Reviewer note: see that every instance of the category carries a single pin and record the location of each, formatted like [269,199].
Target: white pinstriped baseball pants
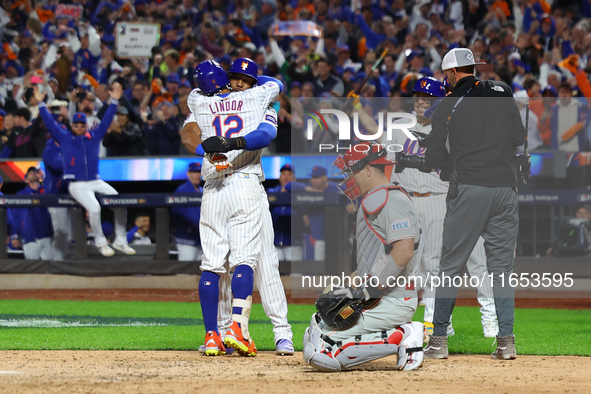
[189,252]
[39,249]
[230,224]
[61,219]
[267,280]
[85,193]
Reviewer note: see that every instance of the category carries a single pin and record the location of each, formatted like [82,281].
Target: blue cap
[318,171]
[194,167]
[185,83]
[244,66]
[393,40]
[108,38]
[210,77]
[359,77]
[226,59]
[344,47]
[2,113]
[426,71]
[286,167]
[63,34]
[414,54]
[26,33]
[295,84]
[167,28]
[140,2]
[79,117]
[430,86]
[550,89]
[350,70]
[519,63]
[174,77]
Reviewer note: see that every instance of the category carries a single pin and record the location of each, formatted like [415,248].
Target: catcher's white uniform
[385,328]
[428,193]
[247,237]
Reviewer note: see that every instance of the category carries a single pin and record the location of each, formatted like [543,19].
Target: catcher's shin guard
[368,347]
[331,356]
[312,338]
[410,353]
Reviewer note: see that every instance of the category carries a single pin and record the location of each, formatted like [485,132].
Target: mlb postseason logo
[387,123]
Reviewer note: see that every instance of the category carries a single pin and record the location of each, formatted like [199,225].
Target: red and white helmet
[356,158]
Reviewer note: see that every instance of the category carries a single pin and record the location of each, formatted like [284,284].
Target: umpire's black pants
[493,213]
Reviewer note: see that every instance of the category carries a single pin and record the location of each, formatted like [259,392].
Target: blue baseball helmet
[431,86]
[245,66]
[210,77]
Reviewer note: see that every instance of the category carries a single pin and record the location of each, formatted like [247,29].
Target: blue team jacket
[31,223]
[281,215]
[80,153]
[186,219]
[54,168]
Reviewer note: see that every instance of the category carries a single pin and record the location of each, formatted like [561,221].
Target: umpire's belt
[415,194]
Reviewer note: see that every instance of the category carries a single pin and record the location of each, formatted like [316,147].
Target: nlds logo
[176,200]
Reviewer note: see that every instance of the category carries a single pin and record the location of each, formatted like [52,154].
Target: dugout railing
[337,232]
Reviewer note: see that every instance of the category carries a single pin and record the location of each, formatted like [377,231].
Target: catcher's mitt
[341,308]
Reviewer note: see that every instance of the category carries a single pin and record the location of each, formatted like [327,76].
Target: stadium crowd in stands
[539,47]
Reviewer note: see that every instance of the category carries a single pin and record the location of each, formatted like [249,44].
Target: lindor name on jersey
[226,105]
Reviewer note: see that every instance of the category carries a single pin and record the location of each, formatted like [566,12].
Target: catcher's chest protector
[370,239]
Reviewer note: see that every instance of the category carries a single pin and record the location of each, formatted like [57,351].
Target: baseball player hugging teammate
[234,127]
[357,325]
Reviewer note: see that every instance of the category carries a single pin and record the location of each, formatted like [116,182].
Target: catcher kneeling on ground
[357,325]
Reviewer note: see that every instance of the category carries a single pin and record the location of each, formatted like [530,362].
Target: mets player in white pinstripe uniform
[266,276]
[429,193]
[230,226]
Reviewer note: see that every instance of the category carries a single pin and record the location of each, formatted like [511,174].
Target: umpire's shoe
[436,348]
[505,348]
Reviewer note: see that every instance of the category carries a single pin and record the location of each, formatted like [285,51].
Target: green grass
[126,325]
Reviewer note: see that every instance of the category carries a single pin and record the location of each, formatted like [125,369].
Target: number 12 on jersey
[228,127]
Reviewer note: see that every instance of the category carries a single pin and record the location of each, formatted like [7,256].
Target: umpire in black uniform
[481,122]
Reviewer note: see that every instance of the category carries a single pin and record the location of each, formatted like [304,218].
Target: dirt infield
[190,372]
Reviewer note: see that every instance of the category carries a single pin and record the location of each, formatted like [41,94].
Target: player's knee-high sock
[209,292]
[242,287]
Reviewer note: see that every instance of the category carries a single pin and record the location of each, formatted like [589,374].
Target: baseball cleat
[202,350]
[106,250]
[490,329]
[124,249]
[450,329]
[235,340]
[413,345]
[213,344]
[505,348]
[284,348]
[427,332]
[437,348]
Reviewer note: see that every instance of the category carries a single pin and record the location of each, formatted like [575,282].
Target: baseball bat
[355,92]
[373,68]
